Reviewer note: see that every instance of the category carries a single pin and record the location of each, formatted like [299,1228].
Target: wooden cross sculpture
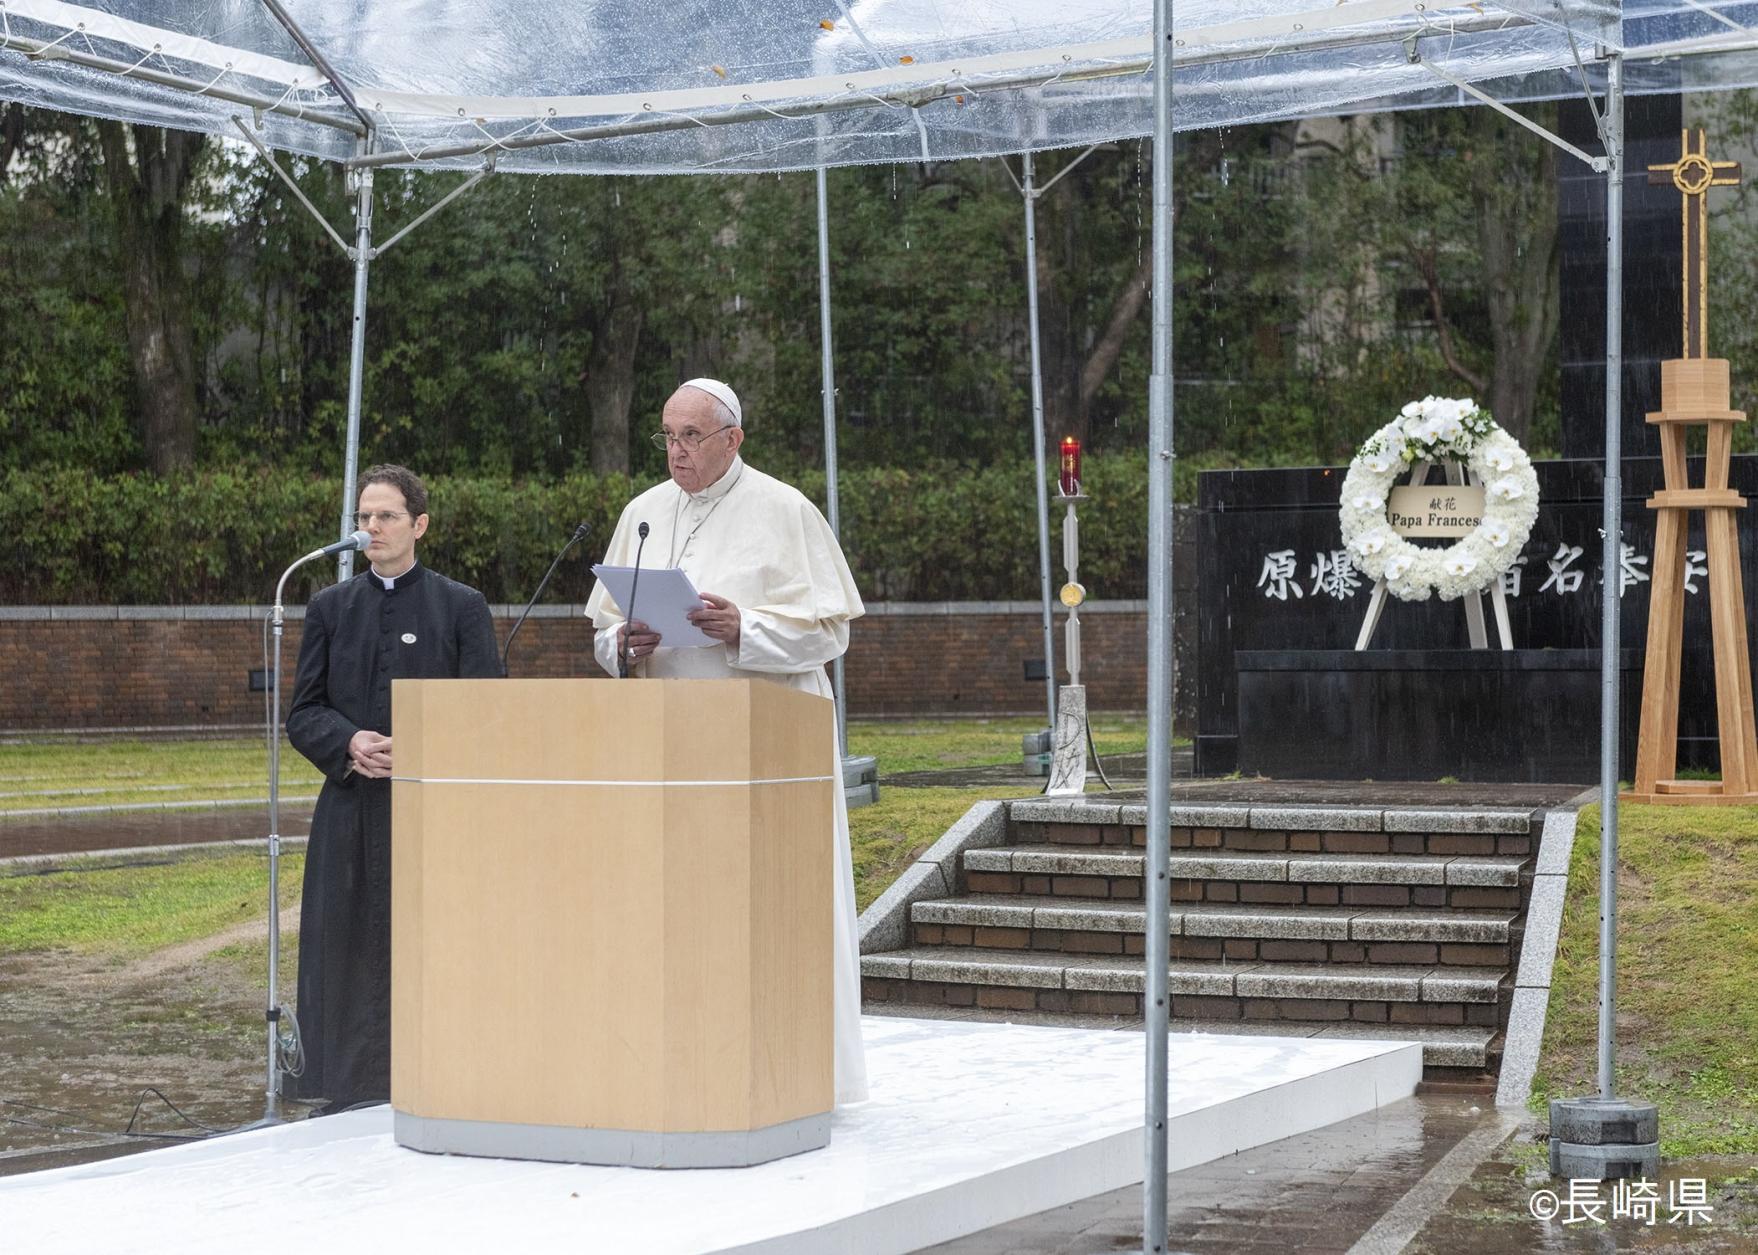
[1694,390]
[1694,174]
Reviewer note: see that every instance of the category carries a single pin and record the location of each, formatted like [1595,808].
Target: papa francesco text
[1433,520]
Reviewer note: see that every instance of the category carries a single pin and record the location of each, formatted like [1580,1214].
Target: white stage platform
[970,1125]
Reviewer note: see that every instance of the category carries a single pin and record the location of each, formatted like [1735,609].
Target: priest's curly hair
[403,480]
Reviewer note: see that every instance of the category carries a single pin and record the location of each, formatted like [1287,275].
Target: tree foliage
[533,329]
[933,532]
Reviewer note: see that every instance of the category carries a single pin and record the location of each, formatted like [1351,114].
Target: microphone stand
[578,536]
[634,584]
[274,1010]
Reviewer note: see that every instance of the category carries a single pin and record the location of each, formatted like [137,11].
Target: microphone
[578,536]
[634,583]
[354,540]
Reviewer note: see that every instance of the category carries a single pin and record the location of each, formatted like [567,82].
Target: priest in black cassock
[394,620]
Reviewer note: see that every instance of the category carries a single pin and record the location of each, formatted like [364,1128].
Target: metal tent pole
[1612,530]
[1030,194]
[356,357]
[273,1012]
[828,364]
[1157,889]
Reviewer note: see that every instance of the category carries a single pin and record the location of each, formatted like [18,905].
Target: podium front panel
[611,923]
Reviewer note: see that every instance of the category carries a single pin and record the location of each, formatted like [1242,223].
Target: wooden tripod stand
[1695,391]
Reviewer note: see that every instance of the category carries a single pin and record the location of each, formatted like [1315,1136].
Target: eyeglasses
[387,517]
[663,440]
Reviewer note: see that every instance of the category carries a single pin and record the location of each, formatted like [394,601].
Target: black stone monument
[1281,692]
[1280,689]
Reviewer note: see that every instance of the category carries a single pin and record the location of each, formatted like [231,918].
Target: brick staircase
[1326,920]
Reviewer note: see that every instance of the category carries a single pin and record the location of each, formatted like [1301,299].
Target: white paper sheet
[662,599]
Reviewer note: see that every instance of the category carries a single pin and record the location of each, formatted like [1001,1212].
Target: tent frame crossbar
[919,97]
[1599,164]
[40,50]
[262,150]
[488,168]
[318,60]
[376,251]
[362,126]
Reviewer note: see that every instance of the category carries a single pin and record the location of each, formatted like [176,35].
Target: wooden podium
[611,920]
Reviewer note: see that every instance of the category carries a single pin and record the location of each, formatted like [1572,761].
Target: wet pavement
[1315,1192]
[129,830]
[1434,1174]
[1492,1212]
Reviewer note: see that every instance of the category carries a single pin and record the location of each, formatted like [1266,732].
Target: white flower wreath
[1437,429]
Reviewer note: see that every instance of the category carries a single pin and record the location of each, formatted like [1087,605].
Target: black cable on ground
[131,1131]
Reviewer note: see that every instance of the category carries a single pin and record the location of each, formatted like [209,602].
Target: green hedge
[928,534]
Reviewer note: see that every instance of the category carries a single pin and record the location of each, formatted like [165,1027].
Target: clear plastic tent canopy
[767,85]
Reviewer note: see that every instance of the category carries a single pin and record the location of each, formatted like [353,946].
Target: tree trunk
[610,385]
[1517,236]
[12,123]
[146,192]
[1426,261]
[1124,311]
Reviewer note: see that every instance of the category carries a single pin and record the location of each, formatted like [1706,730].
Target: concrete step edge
[1291,818]
[1266,922]
[1486,870]
[1126,974]
[1443,1045]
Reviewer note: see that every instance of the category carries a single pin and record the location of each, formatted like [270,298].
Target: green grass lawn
[940,744]
[134,910]
[116,773]
[1687,974]
[128,911]
[887,838]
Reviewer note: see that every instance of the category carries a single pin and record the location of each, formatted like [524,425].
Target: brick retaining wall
[92,667]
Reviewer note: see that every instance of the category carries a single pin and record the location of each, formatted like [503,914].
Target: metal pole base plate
[1604,1139]
[1068,748]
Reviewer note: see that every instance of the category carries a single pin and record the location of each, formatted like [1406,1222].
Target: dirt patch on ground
[154,968]
[84,1037]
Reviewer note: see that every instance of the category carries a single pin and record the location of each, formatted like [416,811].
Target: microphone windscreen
[361,539]
[642,531]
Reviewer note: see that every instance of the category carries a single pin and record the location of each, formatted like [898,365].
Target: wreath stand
[1474,625]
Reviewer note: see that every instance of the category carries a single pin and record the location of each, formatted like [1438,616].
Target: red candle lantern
[1069,478]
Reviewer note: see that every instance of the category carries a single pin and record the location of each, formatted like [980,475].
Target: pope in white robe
[777,598]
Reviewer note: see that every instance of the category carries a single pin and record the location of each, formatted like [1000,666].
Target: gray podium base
[616,1147]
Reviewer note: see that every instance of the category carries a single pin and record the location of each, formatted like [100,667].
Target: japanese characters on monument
[1330,573]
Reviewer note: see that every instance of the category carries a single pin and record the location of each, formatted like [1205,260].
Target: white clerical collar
[720,487]
[390,581]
